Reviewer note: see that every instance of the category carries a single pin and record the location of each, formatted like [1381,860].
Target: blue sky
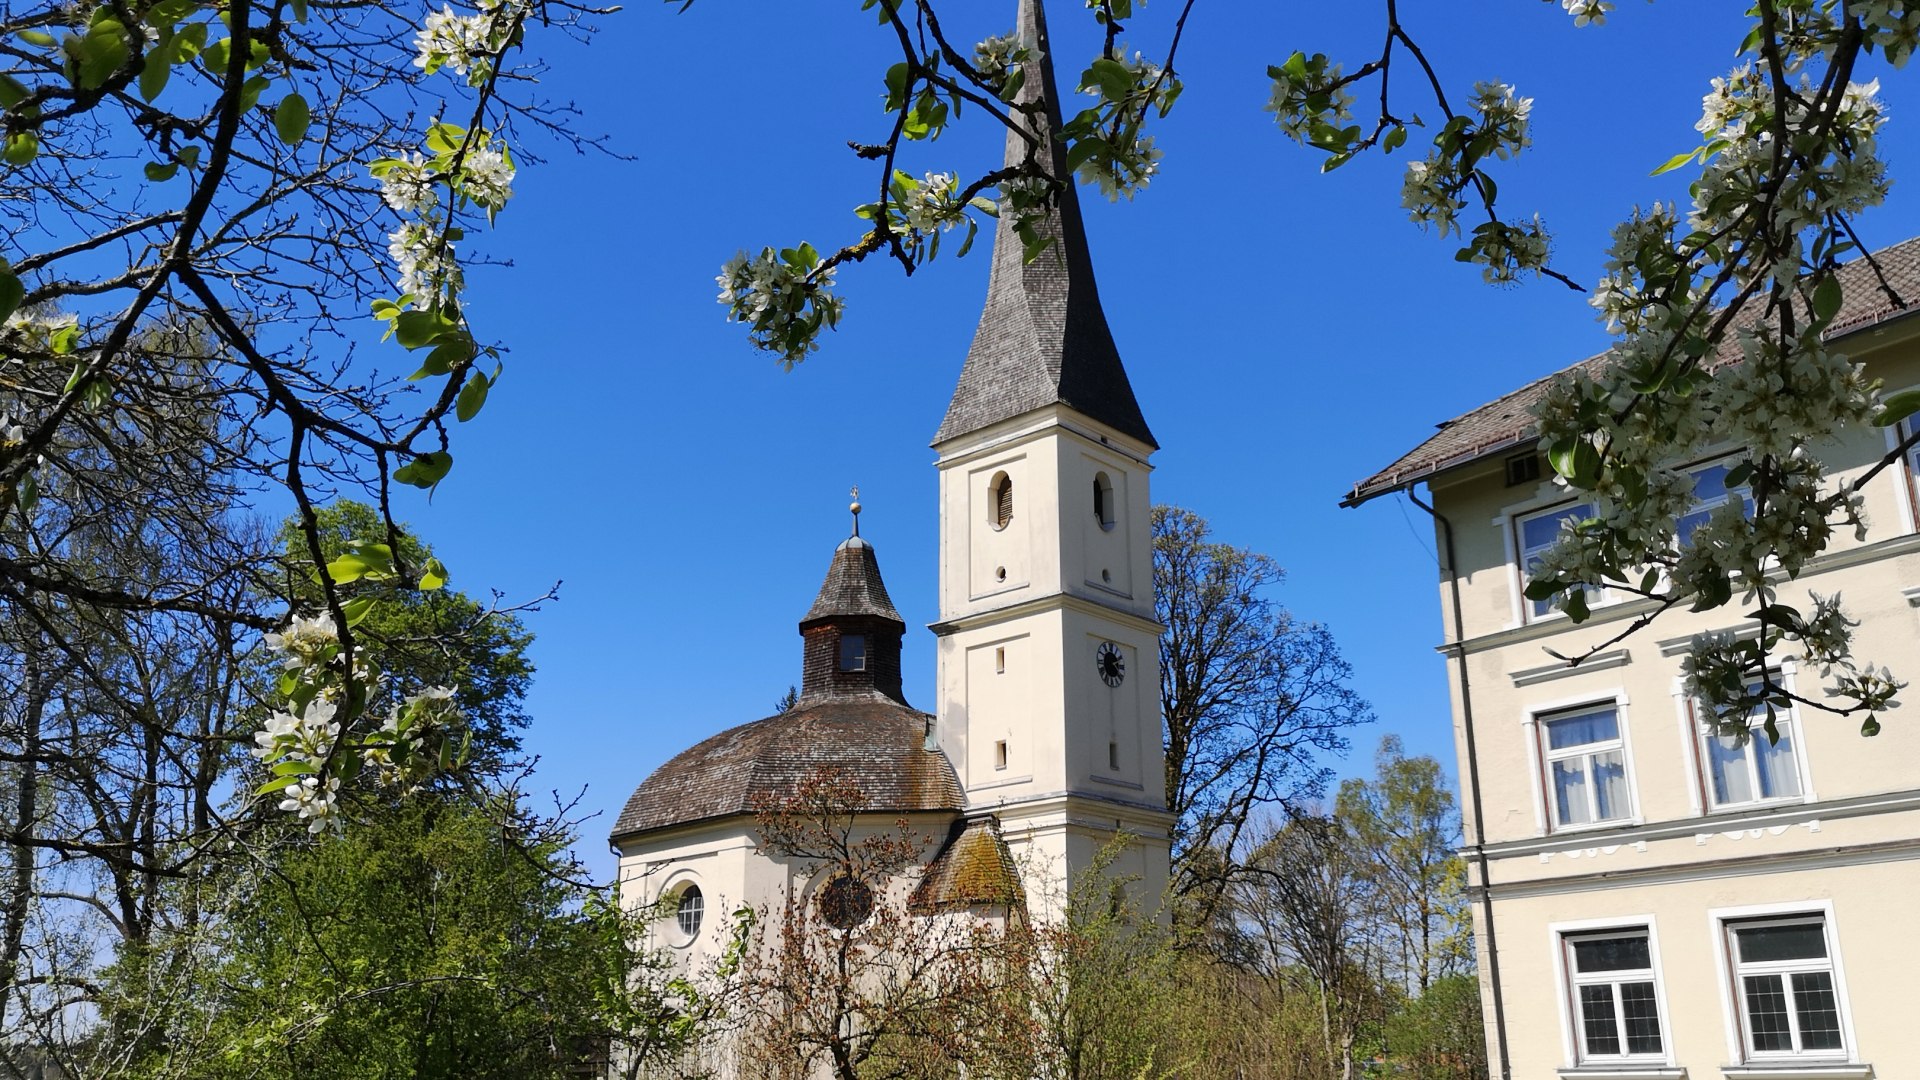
[1287,334]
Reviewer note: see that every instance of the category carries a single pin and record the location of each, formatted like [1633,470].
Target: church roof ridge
[1042,338]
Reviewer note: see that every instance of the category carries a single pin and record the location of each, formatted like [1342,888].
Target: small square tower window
[853,652]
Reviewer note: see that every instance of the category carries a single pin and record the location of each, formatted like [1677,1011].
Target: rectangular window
[853,652]
[1000,754]
[1709,492]
[1616,1011]
[1746,767]
[1537,533]
[1585,763]
[1783,978]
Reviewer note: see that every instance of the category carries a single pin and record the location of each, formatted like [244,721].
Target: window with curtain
[1743,767]
[1537,533]
[1584,757]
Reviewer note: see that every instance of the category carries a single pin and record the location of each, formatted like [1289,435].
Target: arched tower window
[1000,500]
[1103,500]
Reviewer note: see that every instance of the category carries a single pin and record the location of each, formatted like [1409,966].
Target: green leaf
[365,560]
[356,609]
[11,293]
[102,51]
[21,148]
[12,91]
[1898,407]
[1675,162]
[216,55]
[434,575]
[445,138]
[425,471]
[37,37]
[159,173]
[415,329]
[291,119]
[1870,726]
[299,11]
[1826,298]
[473,397]
[1112,78]
[280,784]
[251,90]
[1396,137]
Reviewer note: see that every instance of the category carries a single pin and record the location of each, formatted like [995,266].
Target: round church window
[845,902]
[688,915]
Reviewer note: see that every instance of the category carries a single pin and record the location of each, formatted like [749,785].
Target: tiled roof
[852,586]
[975,869]
[879,743]
[1043,339]
[1507,422]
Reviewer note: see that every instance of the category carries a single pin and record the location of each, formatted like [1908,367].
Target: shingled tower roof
[1042,339]
[853,586]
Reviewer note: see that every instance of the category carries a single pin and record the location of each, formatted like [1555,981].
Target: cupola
[852,631]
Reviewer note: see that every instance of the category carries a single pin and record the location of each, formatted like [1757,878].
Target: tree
[419,639]
[848,977]
[1250,697]
[1405,826]
[174,337]
[1786,163]
[425,943]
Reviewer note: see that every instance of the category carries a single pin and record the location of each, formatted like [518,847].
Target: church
[1044,743]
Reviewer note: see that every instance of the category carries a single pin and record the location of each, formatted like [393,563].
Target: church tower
[1049,683]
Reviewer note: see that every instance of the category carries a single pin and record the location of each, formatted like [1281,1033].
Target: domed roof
[880,743]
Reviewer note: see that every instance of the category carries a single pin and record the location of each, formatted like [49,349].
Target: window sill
[1758,804]
[1797,1070]
[1596,826]
[1623,1072]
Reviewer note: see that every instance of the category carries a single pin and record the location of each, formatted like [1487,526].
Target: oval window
[1103,500]
[1000,500]
[691,909]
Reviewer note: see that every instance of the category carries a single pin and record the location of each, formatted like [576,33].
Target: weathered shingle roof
[1507,422]
[880,745]
[1043,338]
[852,586]
[974,869]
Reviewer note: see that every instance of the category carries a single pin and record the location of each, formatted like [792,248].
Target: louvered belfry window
[1002,493]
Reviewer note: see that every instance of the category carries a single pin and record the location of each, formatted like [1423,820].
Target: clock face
[1111,665]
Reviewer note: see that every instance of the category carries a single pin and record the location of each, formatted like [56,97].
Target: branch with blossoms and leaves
[1723,310]
[786,297]
[187,320]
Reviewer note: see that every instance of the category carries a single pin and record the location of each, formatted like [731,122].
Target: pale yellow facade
[1661,904]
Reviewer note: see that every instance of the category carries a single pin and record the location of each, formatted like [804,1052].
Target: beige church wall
[1868,910]
[988,696]
[1107,564]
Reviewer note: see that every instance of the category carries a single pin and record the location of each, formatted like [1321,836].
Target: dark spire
[1043,339]
[852,631]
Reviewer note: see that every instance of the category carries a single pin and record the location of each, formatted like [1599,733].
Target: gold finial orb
[855,508]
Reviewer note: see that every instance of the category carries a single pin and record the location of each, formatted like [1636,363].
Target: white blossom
[314,799]
[423,259]
[487,177]
[305,638]
[408,185]
[1587,12]
[453,41]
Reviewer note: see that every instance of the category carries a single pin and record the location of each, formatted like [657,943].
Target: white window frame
[1597,595]
[1697,737]
[1573,1025]
[1745,493]
[1721,923]
[1908,472]
[1548,806]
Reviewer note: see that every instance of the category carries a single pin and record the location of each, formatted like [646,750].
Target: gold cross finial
[855,507]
